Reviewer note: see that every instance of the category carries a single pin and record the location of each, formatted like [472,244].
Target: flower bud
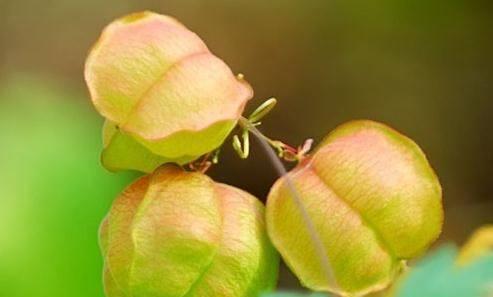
[178,233]
[160,85]
[374,202]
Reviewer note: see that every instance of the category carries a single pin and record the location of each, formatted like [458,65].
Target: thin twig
[314,235]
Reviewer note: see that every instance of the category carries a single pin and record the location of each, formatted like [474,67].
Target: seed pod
[159,84]
[121,151]
[374,201]
[176,233]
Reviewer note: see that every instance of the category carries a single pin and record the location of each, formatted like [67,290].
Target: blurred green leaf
[53,191]
[438,275]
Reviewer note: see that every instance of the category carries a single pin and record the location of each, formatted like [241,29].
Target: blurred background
[424,67]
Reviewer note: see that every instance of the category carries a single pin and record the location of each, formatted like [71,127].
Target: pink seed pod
[159,84]
[178,233]
[374,201]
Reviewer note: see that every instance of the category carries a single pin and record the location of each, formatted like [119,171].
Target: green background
[423,67]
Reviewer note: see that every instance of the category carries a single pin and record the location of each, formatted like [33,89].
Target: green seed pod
[177,233]
[374,202]
[121,151]
[160,85]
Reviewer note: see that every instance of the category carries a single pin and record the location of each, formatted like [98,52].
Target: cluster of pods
[369,193]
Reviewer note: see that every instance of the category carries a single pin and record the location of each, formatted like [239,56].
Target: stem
[280,146]
[282,172]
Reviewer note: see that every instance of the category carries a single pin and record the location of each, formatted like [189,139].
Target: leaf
[438,275]
[374,201]
[160,84]
[53,190]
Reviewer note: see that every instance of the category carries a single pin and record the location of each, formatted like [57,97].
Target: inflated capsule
[373,200]
[161,87]
[178,233]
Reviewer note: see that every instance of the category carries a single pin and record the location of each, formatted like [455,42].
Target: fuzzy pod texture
[374,201]
[162,87]
[176,233]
